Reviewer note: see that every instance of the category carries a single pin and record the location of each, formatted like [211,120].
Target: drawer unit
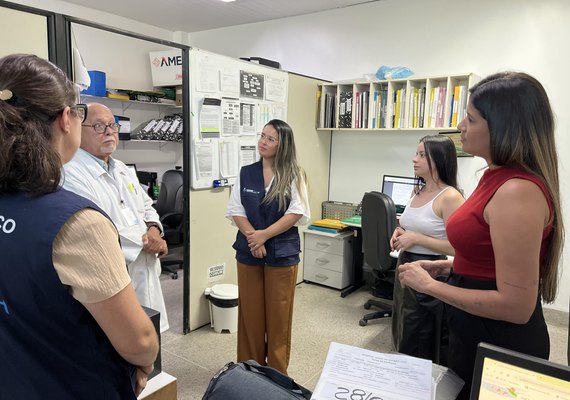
[327,259]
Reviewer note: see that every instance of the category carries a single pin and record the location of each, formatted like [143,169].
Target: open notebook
[504,374]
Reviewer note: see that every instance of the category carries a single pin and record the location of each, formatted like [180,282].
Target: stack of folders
[328,225]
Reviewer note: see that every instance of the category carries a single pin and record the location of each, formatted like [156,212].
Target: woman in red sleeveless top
[508,235]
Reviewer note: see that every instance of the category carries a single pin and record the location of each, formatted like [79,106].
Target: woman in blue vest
[268,201]
[70,323]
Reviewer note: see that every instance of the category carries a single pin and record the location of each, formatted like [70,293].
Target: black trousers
[467,330]
[418,323]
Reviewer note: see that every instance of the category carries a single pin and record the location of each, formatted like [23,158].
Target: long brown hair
[521,123]
[40,91]
[285,167]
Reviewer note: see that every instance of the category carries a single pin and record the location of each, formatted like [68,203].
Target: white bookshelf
[424,104]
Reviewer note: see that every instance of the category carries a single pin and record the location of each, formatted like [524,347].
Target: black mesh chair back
[170,205]
[378,224]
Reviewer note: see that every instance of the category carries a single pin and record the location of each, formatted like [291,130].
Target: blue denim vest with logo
[283,249]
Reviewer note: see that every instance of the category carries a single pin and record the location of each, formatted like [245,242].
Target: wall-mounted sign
[166,67]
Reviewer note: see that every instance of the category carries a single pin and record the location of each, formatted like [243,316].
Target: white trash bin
[223,307]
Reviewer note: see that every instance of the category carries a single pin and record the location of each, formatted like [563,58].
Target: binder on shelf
[384,122]
[455,106]
[462,103]
[357,109]
[364,109]
[375,111]
[421,117]
[345,109]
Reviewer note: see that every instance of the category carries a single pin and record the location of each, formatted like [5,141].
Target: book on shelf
[329,110]
[357,108]
[413,114]
[399,108]
[441,107]
[396,108]
[364,109]
[462,103]
[345,109]
[374,108]
[455,106]
[384,121]
[422,107]
[320,115]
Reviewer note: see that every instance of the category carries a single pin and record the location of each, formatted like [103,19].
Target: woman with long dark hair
[417,319]
[508,235]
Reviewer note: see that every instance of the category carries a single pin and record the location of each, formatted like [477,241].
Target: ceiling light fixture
[228,1]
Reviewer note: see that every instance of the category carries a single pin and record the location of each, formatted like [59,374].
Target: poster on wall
[248,118]
[275,89]
[251,85]
[230,116]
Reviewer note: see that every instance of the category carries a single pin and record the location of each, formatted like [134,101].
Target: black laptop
[505,374]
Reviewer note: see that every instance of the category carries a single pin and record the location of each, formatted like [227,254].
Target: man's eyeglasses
[80,111]
[102,128]
[268,139]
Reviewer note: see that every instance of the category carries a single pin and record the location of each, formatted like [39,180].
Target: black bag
[250,381]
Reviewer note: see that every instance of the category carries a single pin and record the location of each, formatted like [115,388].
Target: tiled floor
[320,317]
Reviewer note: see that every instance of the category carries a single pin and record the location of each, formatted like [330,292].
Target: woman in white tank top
[416,318]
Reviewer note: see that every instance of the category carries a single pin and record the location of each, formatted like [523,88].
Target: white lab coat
[120,195]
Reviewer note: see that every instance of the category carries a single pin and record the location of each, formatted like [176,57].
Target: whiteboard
[230,102]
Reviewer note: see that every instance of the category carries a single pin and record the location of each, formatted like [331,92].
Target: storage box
[338,209]
[98,85]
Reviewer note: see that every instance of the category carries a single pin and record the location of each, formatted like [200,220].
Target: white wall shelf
[415,104]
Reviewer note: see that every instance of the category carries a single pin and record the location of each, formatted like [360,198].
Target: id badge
[129,216]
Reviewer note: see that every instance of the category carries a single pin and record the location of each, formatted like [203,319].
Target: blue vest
[52,348]
[283,249]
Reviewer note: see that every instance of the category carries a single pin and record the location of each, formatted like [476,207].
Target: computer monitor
[500,373]
[399,188]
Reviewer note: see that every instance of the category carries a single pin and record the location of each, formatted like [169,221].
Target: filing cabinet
[327,259]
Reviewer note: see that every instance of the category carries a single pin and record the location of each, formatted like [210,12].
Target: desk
[357,258]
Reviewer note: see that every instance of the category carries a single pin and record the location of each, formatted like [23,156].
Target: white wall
[436,37]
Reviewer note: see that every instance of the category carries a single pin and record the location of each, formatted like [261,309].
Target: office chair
[378,224]
[169,206]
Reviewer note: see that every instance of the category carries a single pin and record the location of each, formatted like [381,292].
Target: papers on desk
[351,371]
[355,373]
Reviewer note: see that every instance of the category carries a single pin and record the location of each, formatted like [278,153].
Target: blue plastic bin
[98,85]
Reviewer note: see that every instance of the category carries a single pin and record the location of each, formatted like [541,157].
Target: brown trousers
[265,314]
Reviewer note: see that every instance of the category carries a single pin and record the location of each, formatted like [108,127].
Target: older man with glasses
[94,174]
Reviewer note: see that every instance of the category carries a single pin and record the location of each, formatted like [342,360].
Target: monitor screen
[500,373]
[399,188]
